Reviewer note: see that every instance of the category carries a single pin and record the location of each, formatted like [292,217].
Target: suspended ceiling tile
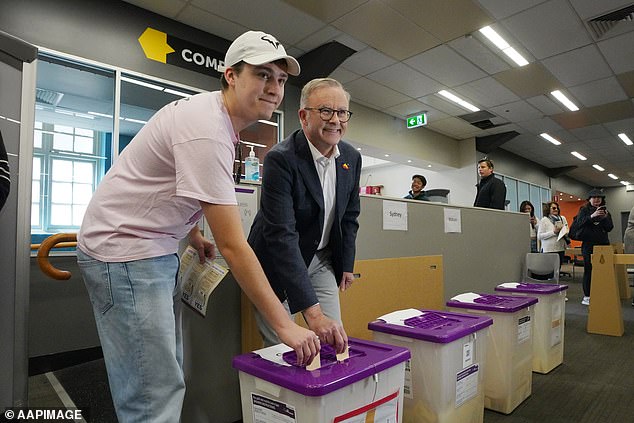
[548,29]
[627,82]
[619,51]
[590,132]
[612,112]
[501,9]
[517,111]
[599,92]
[487,92]
[528,81]
[373,93]
[413,107]
[296,26]
[326,10]
[459,128]
[318,38]
[480,55]
[440,19]
[383,28]
[343,75]
[351,42]
[544,104]
[207,21]
[445,106]
[446,66]
[537,126]
[624,125]
[367,61]
[578,66]
[406,80]
[578,119]
[592,8]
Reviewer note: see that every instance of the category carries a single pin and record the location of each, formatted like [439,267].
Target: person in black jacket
[595,222]
[491,190]
[5,178]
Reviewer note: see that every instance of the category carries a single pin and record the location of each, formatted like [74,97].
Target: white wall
[396,180]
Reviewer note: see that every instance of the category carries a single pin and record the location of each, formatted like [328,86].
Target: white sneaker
[585,301]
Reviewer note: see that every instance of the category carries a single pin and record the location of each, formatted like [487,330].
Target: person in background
[527,207]
[304,233]
[177,169]
[5,177]
[491,192]
[595,222]
[418,185]
[550,227]
[628,236]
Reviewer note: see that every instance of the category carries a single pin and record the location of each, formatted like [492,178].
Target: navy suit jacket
[287,228]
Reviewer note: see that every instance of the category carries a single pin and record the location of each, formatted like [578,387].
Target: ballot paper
[199,280]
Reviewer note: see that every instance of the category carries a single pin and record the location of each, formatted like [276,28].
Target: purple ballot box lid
[531,288]
[366,359]
[499,303]
[435,326]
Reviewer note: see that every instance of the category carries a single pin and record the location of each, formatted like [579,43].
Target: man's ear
[230,75]
[302,116]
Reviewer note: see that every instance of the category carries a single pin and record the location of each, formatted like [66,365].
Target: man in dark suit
[491,190]
[304,233]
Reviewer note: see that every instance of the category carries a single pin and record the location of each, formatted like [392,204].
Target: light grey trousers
[322,277]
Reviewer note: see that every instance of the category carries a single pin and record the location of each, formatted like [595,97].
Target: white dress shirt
[327,172]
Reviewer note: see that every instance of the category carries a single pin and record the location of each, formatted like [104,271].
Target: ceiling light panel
[458,100]
[564,100]
[578,155]
[503,45]
[597,167]
[625,139]
[613,176]
[549,138]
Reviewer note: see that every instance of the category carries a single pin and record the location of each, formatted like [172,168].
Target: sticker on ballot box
[524,329]
[384,410]
[267,410]
[466,384]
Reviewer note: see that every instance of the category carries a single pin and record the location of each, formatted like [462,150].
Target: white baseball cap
[258,48]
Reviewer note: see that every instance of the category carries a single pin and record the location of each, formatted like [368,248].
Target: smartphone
[601,208]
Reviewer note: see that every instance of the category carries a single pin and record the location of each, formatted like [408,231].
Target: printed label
[267,410]
[408,387]
[556,327]
[524,329]
[467,354]
[466,384]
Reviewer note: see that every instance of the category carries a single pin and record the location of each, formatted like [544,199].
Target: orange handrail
[57,240]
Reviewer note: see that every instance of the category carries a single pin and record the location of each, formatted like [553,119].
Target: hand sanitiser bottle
[252,167]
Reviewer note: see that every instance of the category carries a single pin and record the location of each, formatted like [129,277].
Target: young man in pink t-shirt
[177,169]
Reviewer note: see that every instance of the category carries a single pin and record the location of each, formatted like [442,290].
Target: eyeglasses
[326,113]
[554,208]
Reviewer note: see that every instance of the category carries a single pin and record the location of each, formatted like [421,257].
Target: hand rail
[55,241]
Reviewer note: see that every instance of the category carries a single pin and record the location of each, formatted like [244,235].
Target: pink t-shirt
[149,200]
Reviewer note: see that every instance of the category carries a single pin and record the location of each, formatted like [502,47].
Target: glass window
[140,99]
[72,137]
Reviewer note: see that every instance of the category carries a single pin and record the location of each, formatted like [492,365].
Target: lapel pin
[345,166]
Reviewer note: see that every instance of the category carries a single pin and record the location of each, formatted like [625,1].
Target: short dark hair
[489,162]
[238,67]
[422,179]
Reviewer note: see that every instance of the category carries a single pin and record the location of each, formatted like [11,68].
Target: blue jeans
[137,309]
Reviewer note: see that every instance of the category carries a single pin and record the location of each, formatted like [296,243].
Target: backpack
[575,231]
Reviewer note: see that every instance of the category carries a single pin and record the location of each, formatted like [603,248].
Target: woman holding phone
[595,222]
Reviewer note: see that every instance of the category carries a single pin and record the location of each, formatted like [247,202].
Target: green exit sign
[416,121]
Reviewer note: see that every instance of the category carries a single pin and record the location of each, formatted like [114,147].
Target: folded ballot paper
[467,297]
[198,280]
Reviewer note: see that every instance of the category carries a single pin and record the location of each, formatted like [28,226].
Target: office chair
[542,268]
